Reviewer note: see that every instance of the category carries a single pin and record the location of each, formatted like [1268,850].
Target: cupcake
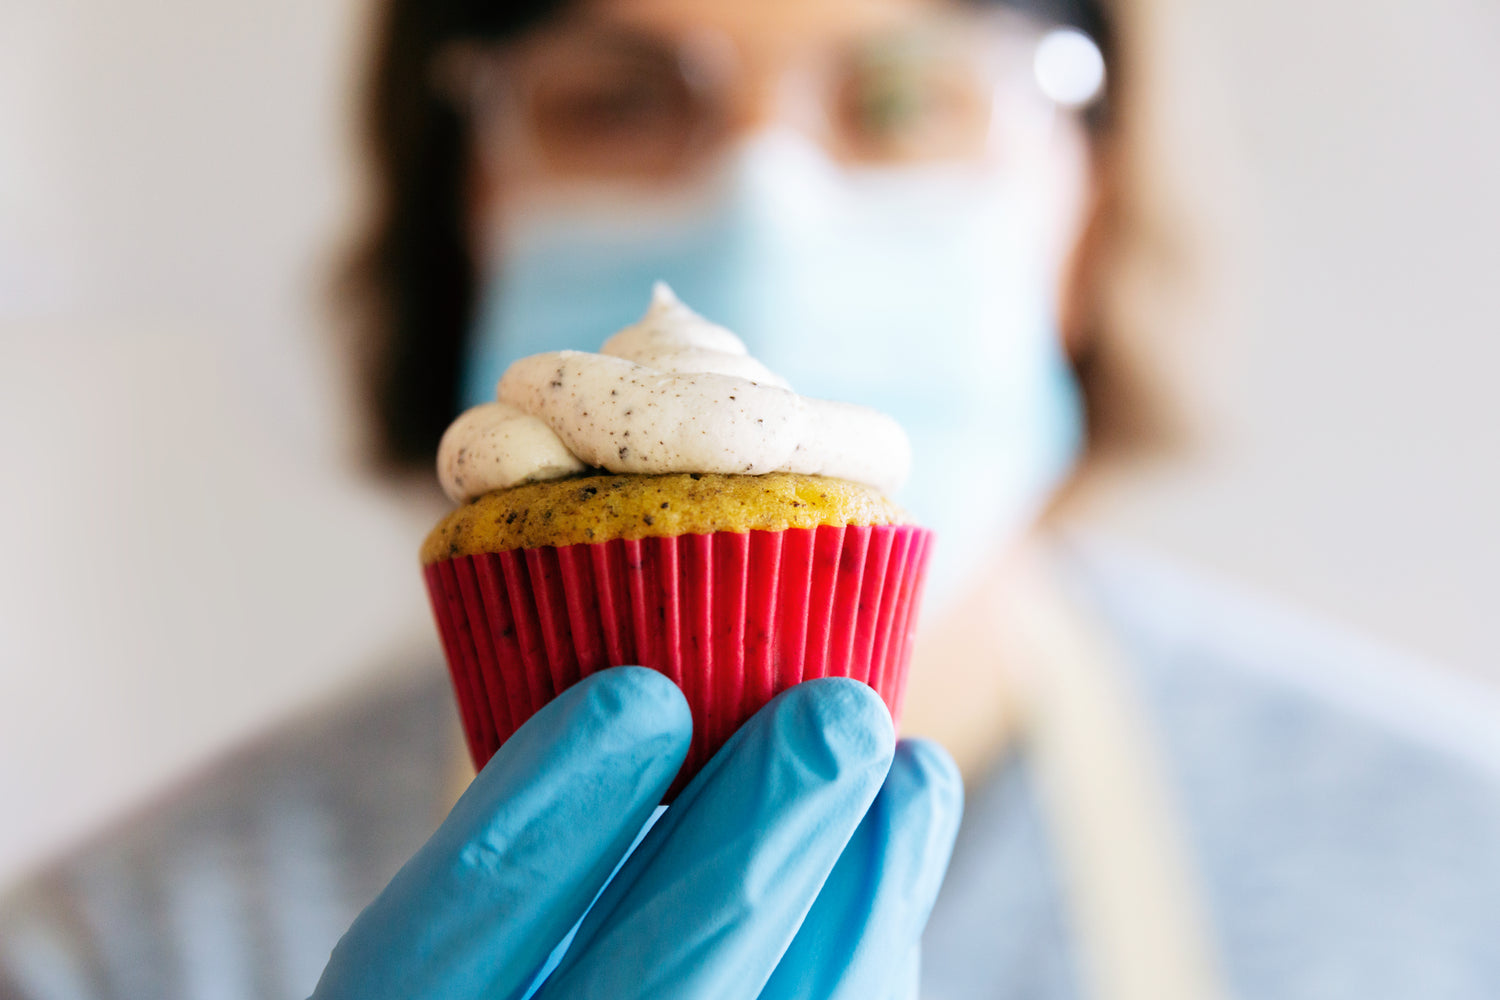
[669,503]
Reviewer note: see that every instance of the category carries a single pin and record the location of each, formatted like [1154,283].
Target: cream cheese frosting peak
[673,338]
[670,393]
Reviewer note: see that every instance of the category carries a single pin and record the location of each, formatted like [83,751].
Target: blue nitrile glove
[730,893]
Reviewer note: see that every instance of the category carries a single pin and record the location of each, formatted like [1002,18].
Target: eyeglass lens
[620,104]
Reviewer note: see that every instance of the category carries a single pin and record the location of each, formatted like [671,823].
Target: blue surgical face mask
[918,291]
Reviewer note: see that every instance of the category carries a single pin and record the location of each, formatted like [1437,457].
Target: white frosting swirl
[671,393]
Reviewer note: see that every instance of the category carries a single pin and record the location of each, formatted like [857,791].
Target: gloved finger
[906,980]
[711,898]
[861,934]
[478,909]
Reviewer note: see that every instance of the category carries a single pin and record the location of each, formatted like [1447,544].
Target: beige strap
[1125,866]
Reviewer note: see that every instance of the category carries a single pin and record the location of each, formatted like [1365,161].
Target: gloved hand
[801,862]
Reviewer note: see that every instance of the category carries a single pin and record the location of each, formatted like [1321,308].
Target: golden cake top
[604,507]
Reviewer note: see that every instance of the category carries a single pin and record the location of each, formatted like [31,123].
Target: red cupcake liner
[733,618]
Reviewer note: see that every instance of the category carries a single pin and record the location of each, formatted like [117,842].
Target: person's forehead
[804,19]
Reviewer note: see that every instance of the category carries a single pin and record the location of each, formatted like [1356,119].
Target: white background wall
[1358,469]
[184,556]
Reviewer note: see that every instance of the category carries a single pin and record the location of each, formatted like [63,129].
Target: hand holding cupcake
[671,503]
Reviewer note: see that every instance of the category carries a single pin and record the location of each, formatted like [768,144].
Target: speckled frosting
[672,393]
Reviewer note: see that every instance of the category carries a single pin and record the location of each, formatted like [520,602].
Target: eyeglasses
[583,103]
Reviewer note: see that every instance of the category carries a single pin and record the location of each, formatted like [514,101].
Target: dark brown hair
[412,280]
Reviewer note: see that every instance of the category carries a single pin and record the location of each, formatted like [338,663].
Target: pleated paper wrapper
[734,618]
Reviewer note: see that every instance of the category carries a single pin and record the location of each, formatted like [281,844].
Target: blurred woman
[916,205]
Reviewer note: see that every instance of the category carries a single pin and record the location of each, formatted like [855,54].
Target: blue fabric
[1343,805]
[1001,927]
[1342,808]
